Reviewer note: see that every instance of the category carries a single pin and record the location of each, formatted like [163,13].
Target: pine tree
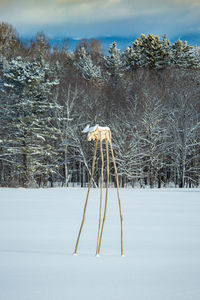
[184,55]
[151,52]
[130,58]
[115,63]
[85,65]
[30,130]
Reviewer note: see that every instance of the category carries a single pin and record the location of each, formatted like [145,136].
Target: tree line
[148,95]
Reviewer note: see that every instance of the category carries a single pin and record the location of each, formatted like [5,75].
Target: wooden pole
[106,199]
[99,134]
[119,201]
[89,187]
[101,197]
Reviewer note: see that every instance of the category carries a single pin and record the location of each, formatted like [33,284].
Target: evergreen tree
[131,59]
[30,130]
[114,62]
[85,65]
[151,52]
[184,55]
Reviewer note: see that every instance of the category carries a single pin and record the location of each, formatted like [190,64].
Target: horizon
[106,41]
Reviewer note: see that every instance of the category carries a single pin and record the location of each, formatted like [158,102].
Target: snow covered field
[38,231]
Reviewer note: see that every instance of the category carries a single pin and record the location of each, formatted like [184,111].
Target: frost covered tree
[87,68]
[140,143]
[30,131]
[93,47]
[126,146]
[114,62]
[184,55]
[153,140]
[131,58]
[150,52]
[184,129]
[121,133]
[66,123]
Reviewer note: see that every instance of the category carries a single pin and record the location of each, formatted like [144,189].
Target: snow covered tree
[153,140]
[140,142]
[131,58]
[150,52]
[114,62]
[184,129]
[66,120]
[85,65]
[30,131]
[126,146]
[184,55]
[93,47]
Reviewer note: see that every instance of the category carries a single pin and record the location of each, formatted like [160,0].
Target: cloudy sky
[93,18]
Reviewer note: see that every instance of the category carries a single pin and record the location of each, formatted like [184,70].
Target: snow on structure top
[97,133]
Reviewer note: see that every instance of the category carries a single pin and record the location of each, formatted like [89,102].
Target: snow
[86,129]
[93,128]
[102,128]
[38,231]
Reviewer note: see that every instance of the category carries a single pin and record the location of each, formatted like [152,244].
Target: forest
[148,94]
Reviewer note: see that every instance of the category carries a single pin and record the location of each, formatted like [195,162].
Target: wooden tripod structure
[99,134]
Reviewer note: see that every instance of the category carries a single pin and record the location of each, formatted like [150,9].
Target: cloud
[77,1]
[86,16]
[75,11]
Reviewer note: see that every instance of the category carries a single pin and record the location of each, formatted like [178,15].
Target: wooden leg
[101,197]
[89,187]
[106,199]
[119,201]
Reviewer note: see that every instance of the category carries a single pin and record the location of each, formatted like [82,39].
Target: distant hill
[124,42]
[193,39]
